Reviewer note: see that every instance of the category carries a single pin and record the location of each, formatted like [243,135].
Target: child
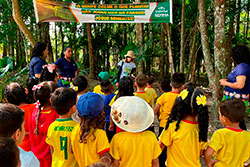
[48,73]
[149,90]
[107,89]
[42,117]
[135,146]
[79,84]
[165,86]
[103,76]
[12,125]
[9,153]
[125,88]
[15,93]
[59,132]
[140,84]
[166,101]
[185,134]
[89,142]
[231,145]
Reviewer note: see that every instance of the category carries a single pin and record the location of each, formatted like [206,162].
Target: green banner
[53,11]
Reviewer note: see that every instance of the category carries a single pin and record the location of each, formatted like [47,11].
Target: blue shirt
[66,68]
[36,66]
[107,108]
[241,69]
[28,159]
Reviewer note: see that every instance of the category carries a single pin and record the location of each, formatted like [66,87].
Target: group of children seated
[71,127]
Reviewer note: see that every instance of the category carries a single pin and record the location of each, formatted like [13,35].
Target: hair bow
[183,94]
[37,104]
[50,67]
[35,87]
[201,99]
[73,86]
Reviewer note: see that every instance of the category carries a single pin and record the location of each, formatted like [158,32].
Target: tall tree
[182,58]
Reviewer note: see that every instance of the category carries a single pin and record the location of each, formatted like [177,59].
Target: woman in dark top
[237,84]
[68,69]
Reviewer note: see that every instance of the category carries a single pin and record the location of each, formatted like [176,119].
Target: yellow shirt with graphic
[89,153]
[183,146]
[231,146]
[145,96]
[98,89]
[166,101]
[59,137]
[152,93]
[135,149]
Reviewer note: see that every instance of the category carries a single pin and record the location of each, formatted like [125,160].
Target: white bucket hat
[132,114]
[131,54]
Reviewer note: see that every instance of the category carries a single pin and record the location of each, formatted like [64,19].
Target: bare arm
[116,163]
[51,150]
[208,157]
[77,71]
[157,108]
[37,75]
[111,124]
[155,162]
[161,145]
[239,84]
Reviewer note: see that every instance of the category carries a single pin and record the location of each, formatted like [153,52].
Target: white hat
[132,114]
[131,54]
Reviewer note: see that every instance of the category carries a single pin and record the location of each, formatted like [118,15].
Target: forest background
[198,42]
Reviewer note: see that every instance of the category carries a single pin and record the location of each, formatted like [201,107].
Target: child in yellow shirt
[185,134]
[140,84]
[149,90]
[166,101]
[59,132]
[135,146]
[88,140]
[231,145]
[103,76]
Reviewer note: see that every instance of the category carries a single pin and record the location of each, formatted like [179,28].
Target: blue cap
[90,105]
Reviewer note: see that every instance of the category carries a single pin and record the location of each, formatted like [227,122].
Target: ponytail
[37,119]
[203,123]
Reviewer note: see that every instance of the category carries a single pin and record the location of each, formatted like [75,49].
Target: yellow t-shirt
[112,101]
[90,152]
[98,89]
[135,149]
[145,96]
[59,137]
[183,146]
[166,101]
[152,93]
[231,146]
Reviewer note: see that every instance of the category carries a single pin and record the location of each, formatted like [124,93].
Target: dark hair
[38,49]
[64,49]
[151,80]
[87,124]
[125,87]
[106,86]
[11,119]
[29,84]
[9,152]
[234,109]
[81,82]
[15,93]
[97,164]
[42,95]
[240,54]
[177,80]
[47,76]
[63,99]
[165,85]
[189,106]
[141,80]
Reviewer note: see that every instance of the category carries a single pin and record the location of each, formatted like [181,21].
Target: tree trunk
[74,29]
[56,47]
[91,53]
[192,57]
[4,50]
[19,21]
[248,6]
[182,57]
[238,17]
[162,61]
[209,63]
[170,51]
[62,36]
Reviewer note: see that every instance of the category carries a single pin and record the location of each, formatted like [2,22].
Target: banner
[53,11]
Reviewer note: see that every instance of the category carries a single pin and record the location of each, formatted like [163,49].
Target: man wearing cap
[126,67]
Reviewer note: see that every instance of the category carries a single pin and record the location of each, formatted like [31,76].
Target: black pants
[163,156]
[110,134]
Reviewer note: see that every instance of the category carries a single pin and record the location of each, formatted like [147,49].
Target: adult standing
[126,67]
[68,69]
[39,54]
[237,84]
